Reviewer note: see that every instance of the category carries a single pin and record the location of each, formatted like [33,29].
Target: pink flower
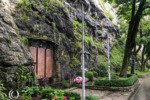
[94,78]
[65,98]
[55,97]
[79,80]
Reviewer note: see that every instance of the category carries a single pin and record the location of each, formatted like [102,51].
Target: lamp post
[108,56]
[83,60]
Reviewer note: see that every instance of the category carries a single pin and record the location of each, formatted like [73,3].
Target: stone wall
[13,53]
[55,21]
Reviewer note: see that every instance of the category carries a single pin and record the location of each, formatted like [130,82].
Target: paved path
[143,92]
[105,95]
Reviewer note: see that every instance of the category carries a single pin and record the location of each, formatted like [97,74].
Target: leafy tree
[132,11]
[144,41]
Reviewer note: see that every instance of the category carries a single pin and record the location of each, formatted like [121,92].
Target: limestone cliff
[12,52]
[57,21]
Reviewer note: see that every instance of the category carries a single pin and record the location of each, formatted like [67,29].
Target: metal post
[83,62]
[108,52]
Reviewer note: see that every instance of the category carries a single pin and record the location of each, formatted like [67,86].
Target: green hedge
[120,82]
[89,75]
[47,92]
[91,98]
[73,94]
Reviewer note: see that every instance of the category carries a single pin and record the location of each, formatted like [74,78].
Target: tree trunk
[131,36]
[133,61]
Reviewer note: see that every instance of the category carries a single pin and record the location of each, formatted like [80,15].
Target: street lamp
[83,60]
[108,56]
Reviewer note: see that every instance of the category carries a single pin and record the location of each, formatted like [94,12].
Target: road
[143,92]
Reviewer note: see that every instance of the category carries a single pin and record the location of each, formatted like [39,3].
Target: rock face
[12,53]
[58,21]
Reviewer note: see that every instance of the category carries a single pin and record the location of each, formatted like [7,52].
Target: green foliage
[25,6]
[89,75]
[95,73]
[25,97]
[23,76]
[30,91]
[48,93]
[76,24]
[102,60]
[117,55]
[121,82]
[24,40]
[97,44]
[74,62]
[77,27]
[73,94]
[78,44]
[142,73]
[91,98]
[102,71]
[66,84]
[23,3]
[113,76]
[3,95]
[52,6]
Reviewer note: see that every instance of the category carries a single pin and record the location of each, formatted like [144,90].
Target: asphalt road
[143,92]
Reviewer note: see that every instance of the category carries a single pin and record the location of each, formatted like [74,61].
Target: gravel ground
[111,95]
[104,95]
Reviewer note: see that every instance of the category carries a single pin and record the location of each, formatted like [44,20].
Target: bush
[73,94]
[95,73]
[3,96]
[102,71]
[66,84]
[113,76]
[91,98]
[31,91]
[120,82]
[47,92]
[89,75]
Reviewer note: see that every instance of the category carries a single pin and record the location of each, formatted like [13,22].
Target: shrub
[120,82]
[91,98]
[113,76]
[73,94]
[3,96]
[31,91]
[66,84]
[89,75]
[47,92]
[95,73]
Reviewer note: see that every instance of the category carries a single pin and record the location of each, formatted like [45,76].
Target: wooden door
[43,61]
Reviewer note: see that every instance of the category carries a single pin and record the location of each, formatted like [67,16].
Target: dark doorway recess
[42,52]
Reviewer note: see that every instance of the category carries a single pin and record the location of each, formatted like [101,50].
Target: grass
[118,82]
[142,74]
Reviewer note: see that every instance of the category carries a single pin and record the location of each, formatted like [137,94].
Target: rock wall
[12,52]
[58,21]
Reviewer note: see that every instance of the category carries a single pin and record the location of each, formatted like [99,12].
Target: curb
[136,89]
